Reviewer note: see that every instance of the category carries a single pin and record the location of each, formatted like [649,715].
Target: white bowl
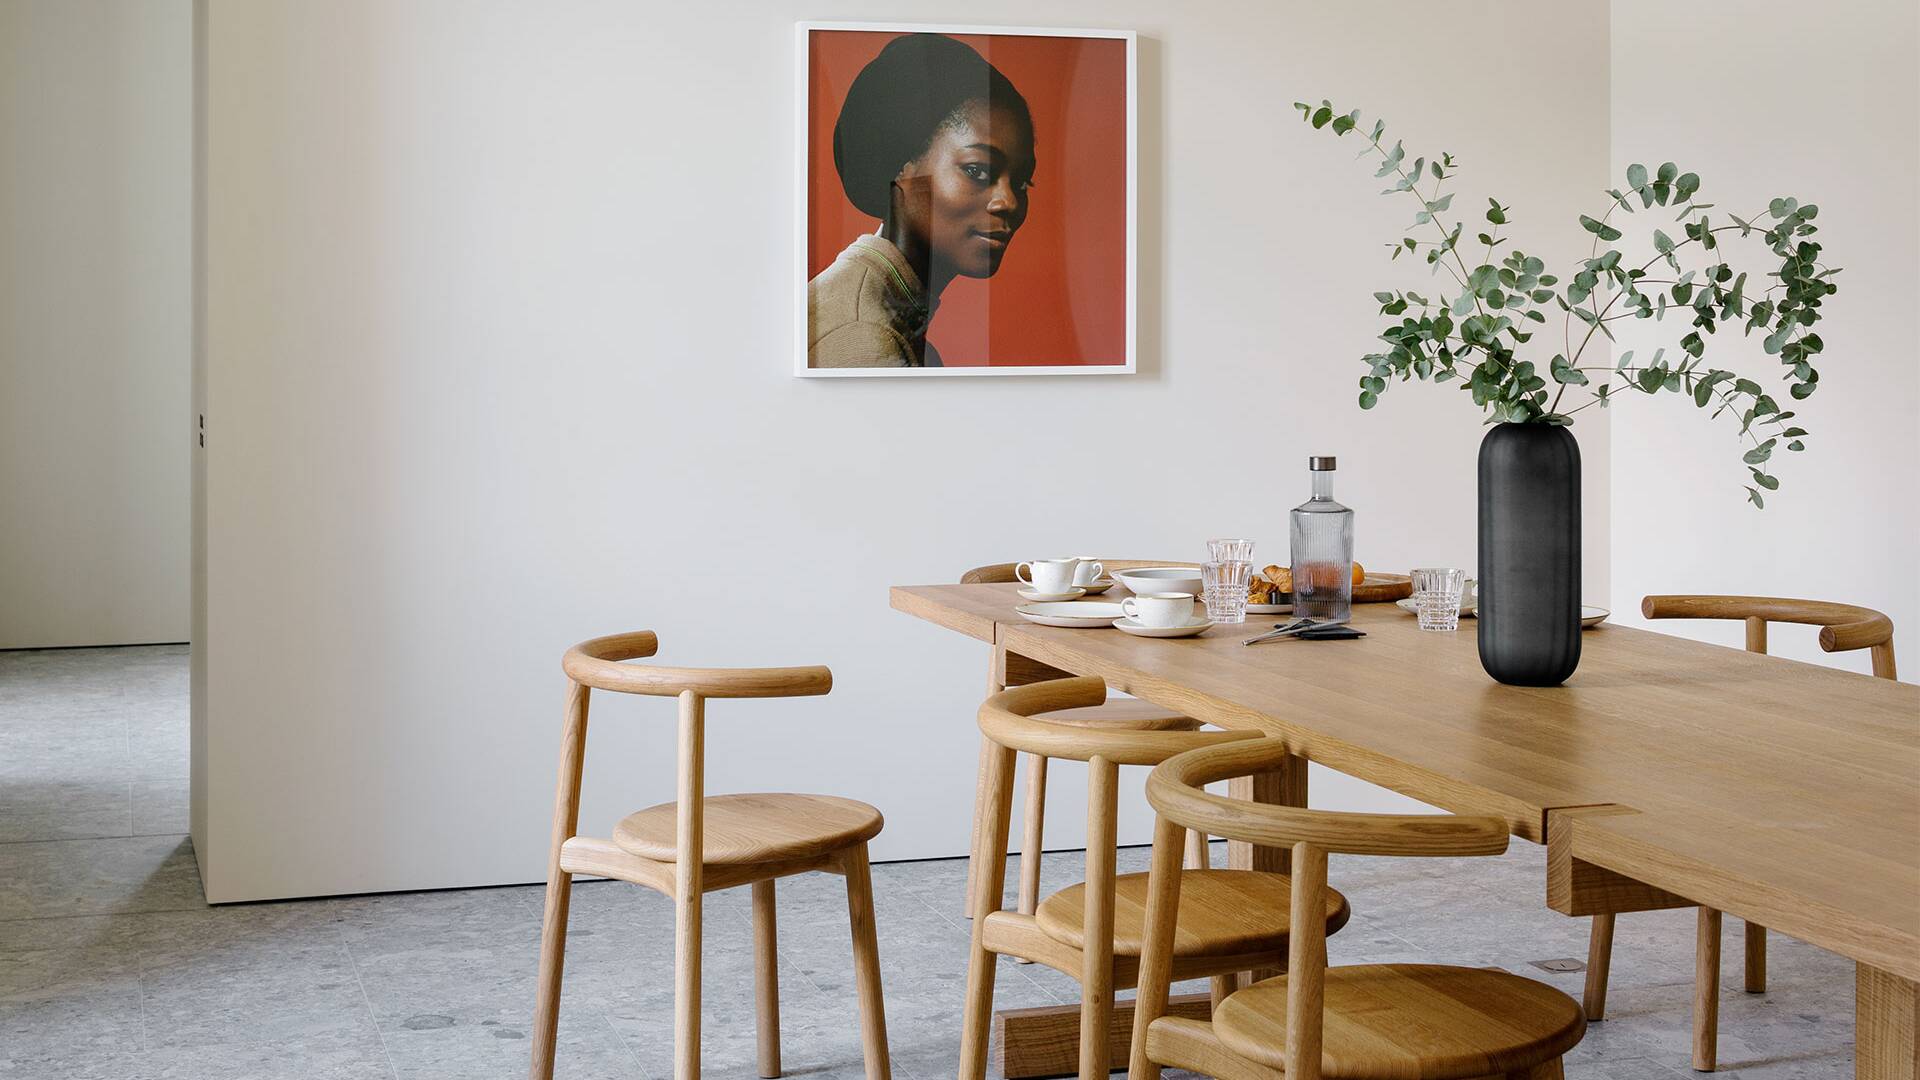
[1153,579]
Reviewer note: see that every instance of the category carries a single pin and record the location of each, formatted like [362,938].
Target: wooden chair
[1124,714]
[698,844]
[1366,1021]
[1236,919]
[1843,628]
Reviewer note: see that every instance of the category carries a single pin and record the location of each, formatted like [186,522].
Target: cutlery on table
[1282,630]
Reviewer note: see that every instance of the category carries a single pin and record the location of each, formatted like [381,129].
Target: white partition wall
[496,358]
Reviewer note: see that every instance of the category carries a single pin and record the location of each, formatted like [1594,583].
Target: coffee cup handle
[1130,609]
[1099,571]
[1028,567]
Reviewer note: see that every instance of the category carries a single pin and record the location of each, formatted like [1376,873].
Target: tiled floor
[112,967]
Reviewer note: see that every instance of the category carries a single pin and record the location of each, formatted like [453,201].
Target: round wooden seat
[1222,913]
[755,828]
[1411,1022]
[1124,714]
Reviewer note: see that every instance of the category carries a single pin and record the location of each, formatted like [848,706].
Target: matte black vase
[1529,613]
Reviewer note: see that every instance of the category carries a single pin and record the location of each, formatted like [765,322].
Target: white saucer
[1591,616]
[1095,588]
[1270,609]
[1039,597]
[1086,614]
[1198,625]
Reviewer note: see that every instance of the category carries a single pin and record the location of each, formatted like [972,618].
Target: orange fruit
[1359,573]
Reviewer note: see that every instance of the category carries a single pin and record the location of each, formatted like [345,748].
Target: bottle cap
[1320,464]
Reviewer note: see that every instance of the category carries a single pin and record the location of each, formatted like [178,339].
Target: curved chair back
[597,663]
[1010,719]
[1177,791]
[1002,573]
[1843,627]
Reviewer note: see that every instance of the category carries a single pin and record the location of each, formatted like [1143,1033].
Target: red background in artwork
[1061,294]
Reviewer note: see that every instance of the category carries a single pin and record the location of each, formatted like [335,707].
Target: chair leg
[996,805]
[1706,991]
[979,815]
[866,964]
[686,987]
[553,947]
[1756,959]
[1199,858]
[1197,855]
[553,925]
[1096,955]
[766,979]
[1599,958]
[689,886]
[1034,836]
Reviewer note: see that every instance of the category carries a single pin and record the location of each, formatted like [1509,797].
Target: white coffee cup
[1088,571]
[1159,609]
[1052,576]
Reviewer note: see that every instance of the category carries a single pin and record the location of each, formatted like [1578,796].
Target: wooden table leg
[1287,787]
[1886,1010]
[1046,1041]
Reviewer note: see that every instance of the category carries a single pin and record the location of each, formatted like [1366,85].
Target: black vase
[1529,613]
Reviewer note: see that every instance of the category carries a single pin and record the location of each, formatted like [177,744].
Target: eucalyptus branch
[1473,337]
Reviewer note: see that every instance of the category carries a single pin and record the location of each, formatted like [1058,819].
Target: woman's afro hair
[899,101]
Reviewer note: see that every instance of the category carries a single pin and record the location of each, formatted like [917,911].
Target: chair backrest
[1010,719]
[1177,791]
[596,664]
[1002,573]
[1843,627]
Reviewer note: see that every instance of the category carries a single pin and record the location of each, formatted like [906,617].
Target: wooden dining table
[1665,772]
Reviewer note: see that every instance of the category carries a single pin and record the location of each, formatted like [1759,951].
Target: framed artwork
[965,200]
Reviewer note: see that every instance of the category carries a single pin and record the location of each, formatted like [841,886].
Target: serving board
[1373,589]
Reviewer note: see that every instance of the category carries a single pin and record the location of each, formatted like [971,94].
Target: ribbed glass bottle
[1321,534]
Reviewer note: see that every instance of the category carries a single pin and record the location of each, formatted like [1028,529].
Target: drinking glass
[1436,596]
[1230,550]
[1225,584]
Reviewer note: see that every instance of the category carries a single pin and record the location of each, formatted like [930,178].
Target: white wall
[94,237]
[496,354]
[1763,100]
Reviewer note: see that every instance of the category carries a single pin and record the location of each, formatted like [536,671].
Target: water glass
[1225,584]
[1436,597]
[1230,550]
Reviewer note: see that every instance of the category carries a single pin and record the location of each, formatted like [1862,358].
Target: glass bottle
[1321,532]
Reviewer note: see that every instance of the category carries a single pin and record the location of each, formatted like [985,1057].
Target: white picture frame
[802,112]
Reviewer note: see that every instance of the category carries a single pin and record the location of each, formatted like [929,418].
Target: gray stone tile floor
[113,967]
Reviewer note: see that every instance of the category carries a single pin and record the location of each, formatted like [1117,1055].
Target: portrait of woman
[932,242]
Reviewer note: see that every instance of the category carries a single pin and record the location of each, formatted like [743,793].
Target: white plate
[1158,579]
[1079,616]
[1198,625]
[1095,588]
[1037,596]
[1269,609]
[1590,616]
